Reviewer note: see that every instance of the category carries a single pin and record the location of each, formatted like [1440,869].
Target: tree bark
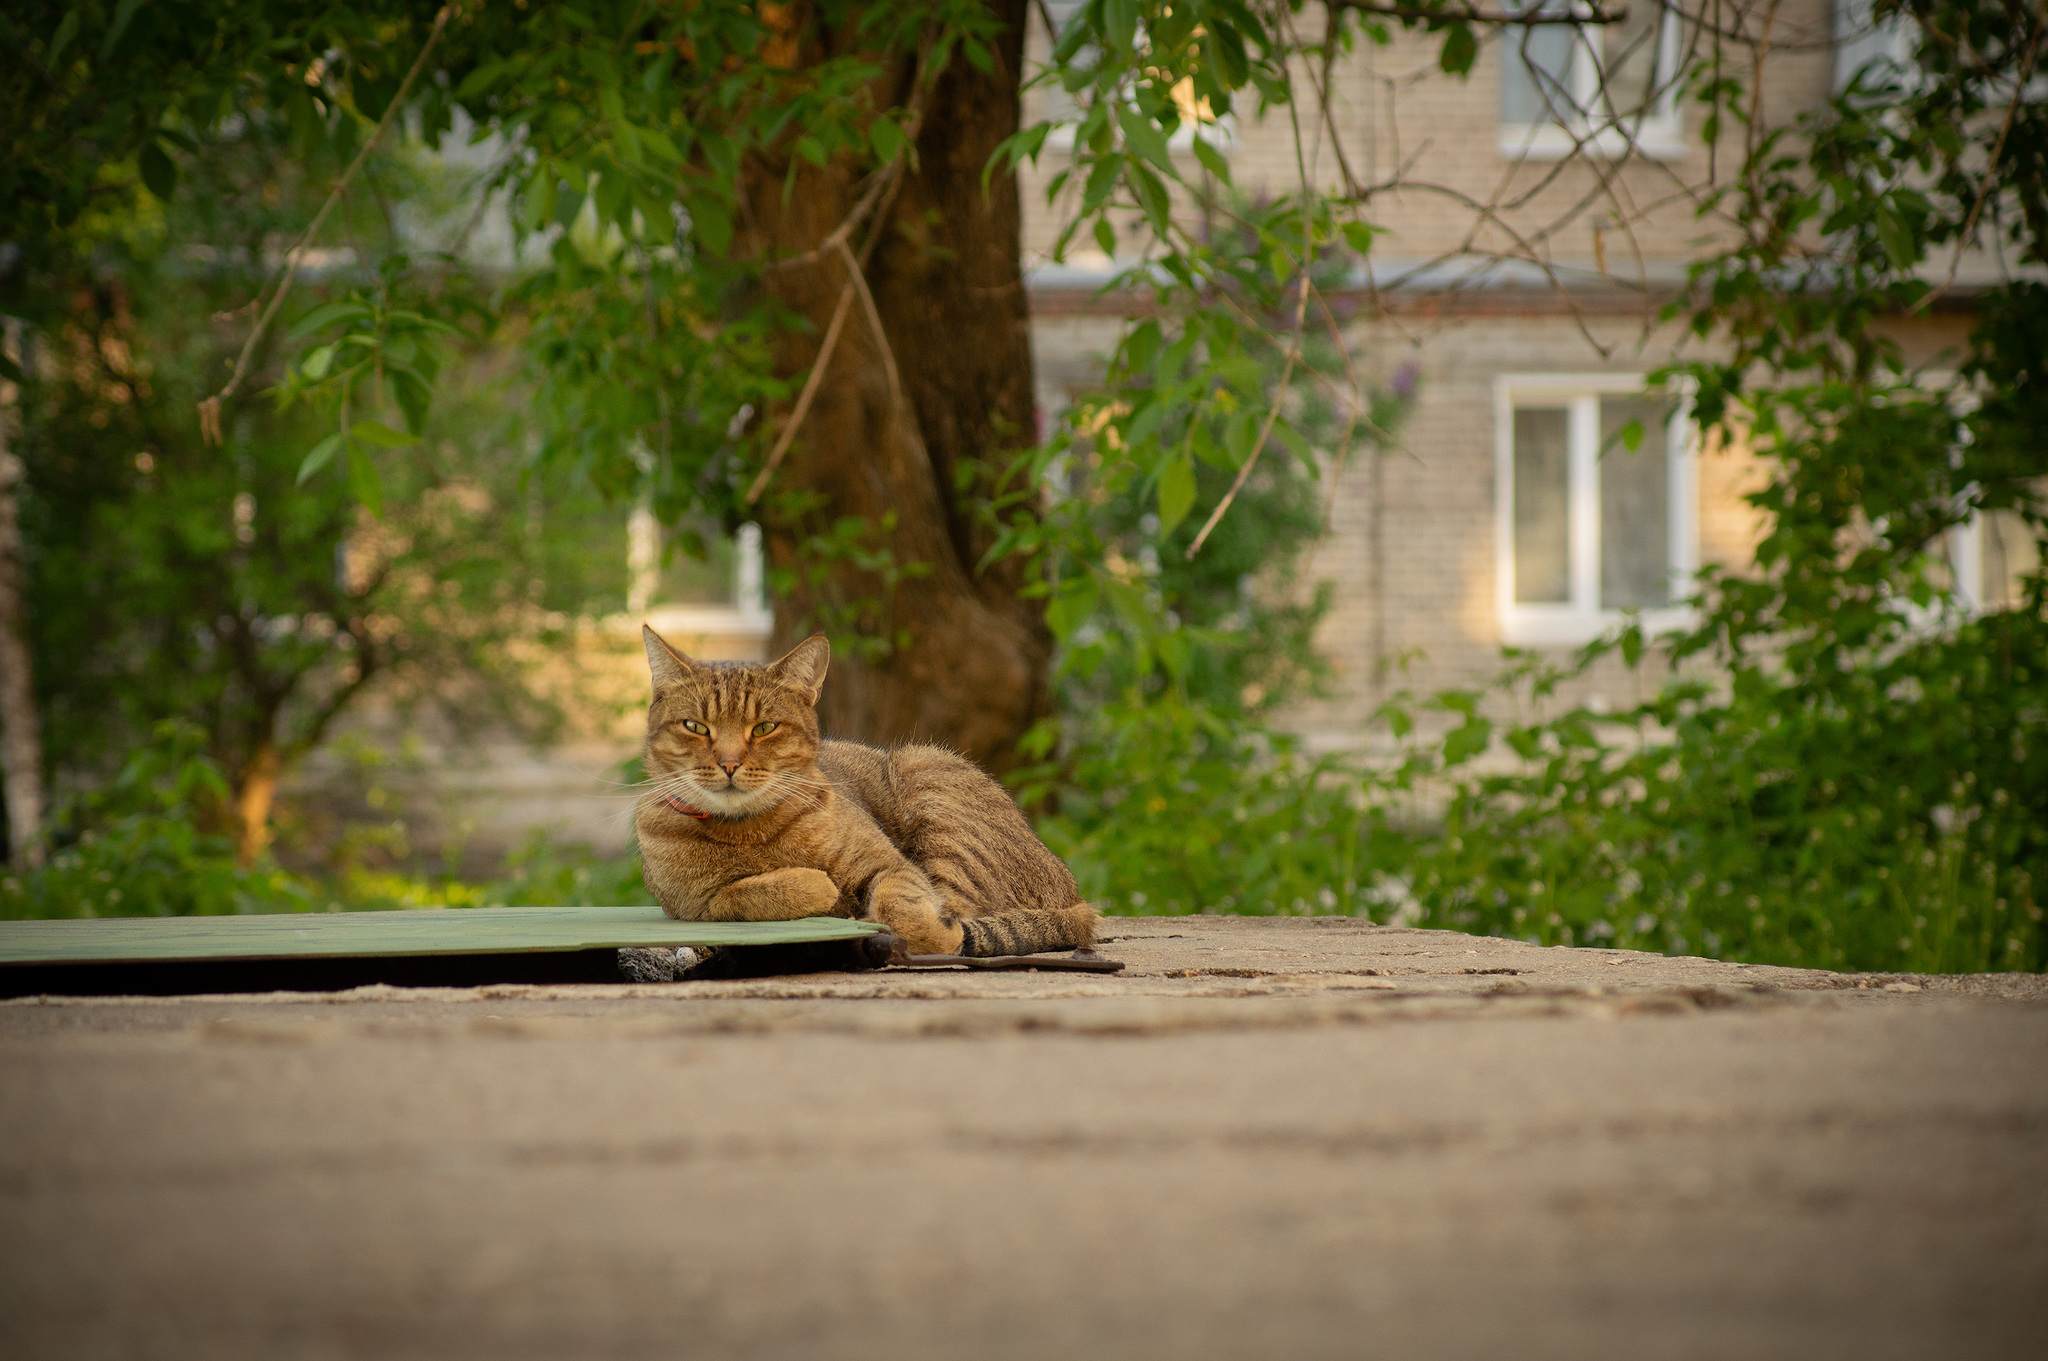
[254,794]
[21,742]
[947,282]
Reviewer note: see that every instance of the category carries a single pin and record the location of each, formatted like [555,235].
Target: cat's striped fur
[775,823]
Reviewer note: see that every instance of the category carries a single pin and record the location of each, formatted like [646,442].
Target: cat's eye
[698,728]
[763,729]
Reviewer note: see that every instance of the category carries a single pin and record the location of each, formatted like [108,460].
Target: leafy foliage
[1845,766]
[231,591]
[136,847]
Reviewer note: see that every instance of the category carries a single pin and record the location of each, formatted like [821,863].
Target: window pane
[1629,61]
[1543,559]
[1635,505]
[1536,71]
[699,563]
[2008,553]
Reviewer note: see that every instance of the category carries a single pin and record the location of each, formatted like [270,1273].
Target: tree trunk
[253,797]
[944,654]
[21,743]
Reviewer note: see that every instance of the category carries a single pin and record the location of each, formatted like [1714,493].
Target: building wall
[1412,550]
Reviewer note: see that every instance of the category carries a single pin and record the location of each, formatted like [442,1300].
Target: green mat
[429,931]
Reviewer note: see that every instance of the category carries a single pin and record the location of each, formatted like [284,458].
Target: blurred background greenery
[420,524]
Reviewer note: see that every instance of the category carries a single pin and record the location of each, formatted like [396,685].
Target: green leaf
[325,315]
[1101,181]
[1467,740]
[414,395]
[1176,493]
[887,139]
[1146,423]
[1072,39]
[1143,136]
[1460,50]
[1153,198]
[316,361]
[1225,51]
[1239,434]
[1127,601]
[659,142]
[1119,22]
[1296,443]
[363,482]
[378,433]
[1070,609]
[539,204]
[123,13]
[1105,236]
[323,454]
[1212,160]
[1358,236]
[1897,239]
[1632,644]
[710,223]
[66,31]
[159,173]
[614,198]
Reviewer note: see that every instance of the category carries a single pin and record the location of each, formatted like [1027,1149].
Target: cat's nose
[728,767]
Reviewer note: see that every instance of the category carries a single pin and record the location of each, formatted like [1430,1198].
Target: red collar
[685,809]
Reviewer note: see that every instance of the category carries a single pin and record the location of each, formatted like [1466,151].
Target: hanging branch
[803,401]
[1472,14]
[1265,431]
[209,408]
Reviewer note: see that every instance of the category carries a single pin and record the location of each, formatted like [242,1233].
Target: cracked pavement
[1268,1137]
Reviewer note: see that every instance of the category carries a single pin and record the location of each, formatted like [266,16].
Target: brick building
[1530,326]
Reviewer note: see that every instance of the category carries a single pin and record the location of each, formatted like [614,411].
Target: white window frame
[1859,40]
[1963,544]
[1658,132]
[748,614]
[1582,619]
[1973,592]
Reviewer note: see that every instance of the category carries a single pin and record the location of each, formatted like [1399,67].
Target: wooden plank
[428,931]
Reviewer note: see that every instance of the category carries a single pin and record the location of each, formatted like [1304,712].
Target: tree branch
[1472,14]
[209,408]
[1266,431]
[803,401]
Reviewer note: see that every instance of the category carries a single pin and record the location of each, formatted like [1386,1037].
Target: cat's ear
[667,664]
[805,665]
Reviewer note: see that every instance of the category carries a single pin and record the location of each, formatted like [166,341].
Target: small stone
[1902,987]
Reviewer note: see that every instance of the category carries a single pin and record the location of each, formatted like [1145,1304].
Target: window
[1989,558]
[1588,528]
[1602,90]
[716,591]
[1861,39]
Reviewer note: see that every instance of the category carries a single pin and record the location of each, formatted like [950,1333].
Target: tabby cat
[750,817]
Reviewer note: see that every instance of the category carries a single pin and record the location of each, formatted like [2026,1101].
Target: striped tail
[1029,931]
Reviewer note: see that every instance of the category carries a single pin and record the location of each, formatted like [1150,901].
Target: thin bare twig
[1265,431]
[857,279]
[2019,90]
[803,400]
[1472,14]
[209,408]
